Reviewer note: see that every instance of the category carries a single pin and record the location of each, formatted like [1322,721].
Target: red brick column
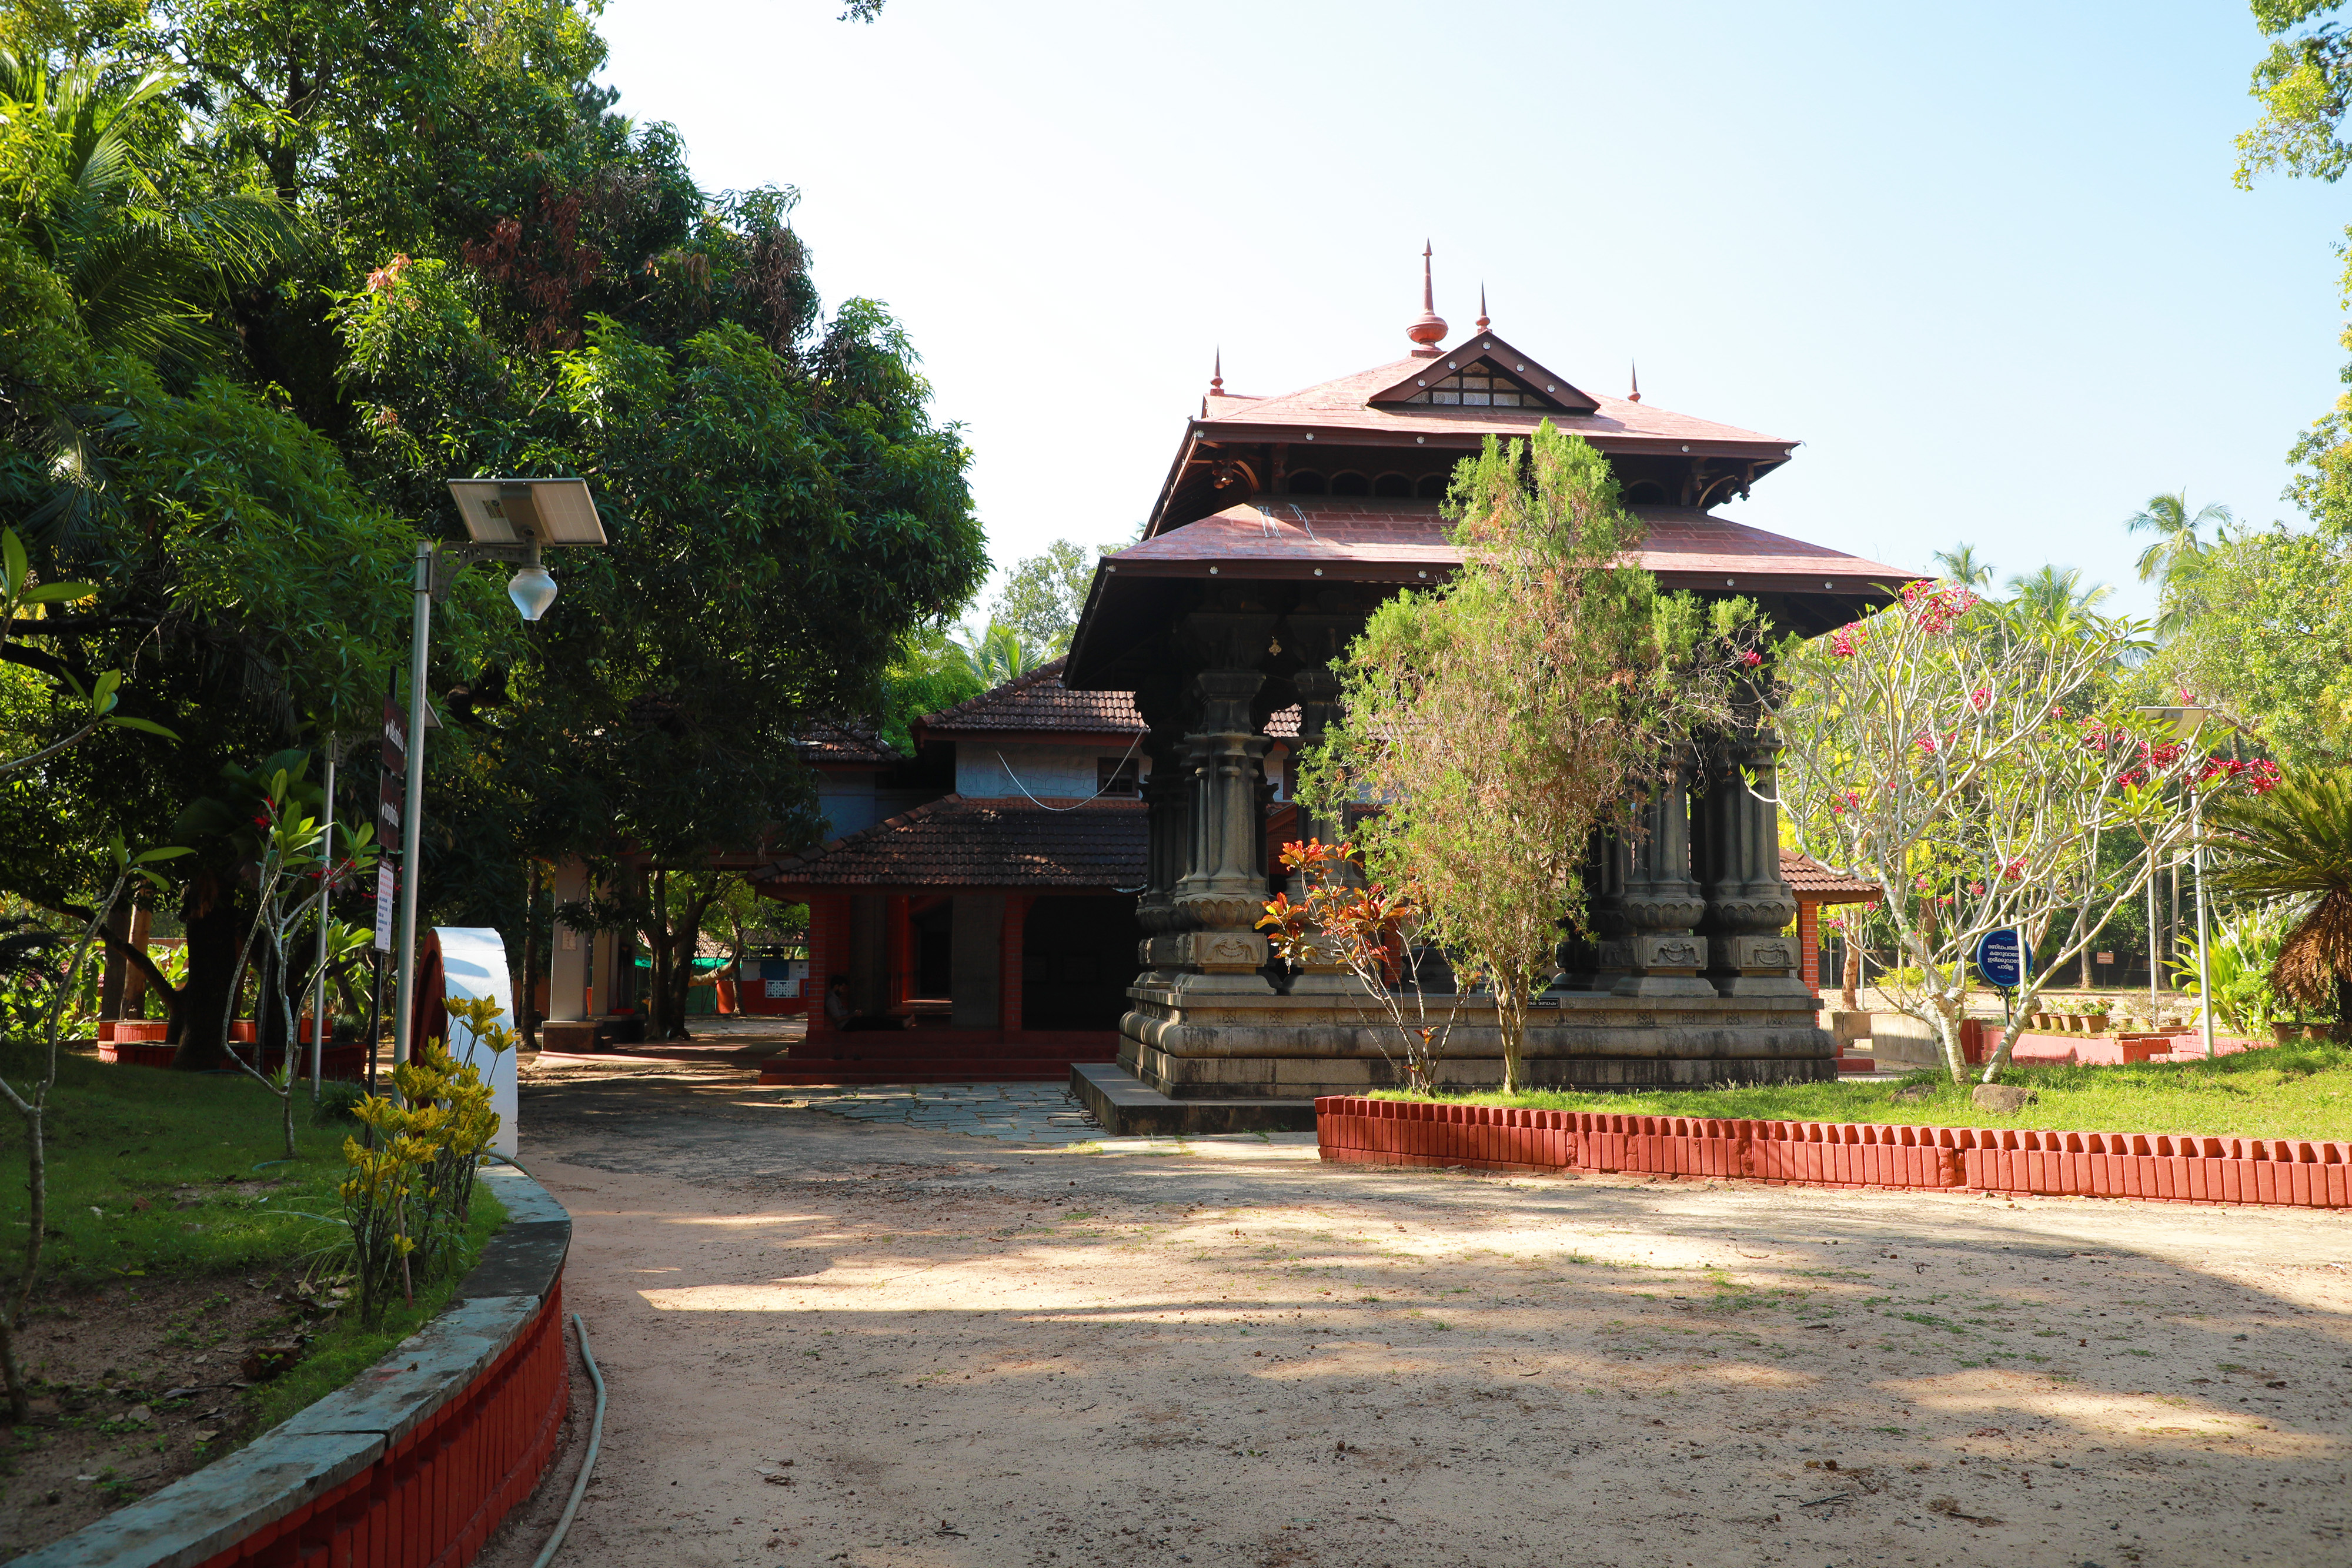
[828,952]
[1809,943]
[1009,952]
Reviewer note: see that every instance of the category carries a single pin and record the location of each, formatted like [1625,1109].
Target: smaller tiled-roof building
[984,924]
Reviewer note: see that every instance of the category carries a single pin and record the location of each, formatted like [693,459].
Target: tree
[97,186]
[1504,719]
[31,1101]
[997,655]
[1961,564]
[2264,637]
[2172,559]
[1942,748]
[2055,597]
[1044,596]
[2293,845]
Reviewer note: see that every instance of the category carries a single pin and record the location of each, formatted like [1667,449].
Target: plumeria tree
[1973,760]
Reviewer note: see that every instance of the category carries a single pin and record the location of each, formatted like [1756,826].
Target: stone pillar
[1748,904]
[1597,958]
[1168,814]
[1321,973]
[1661,903]
[1221,893]
[567,964]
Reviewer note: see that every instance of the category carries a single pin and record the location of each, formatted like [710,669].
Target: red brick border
[435,1498]
[2176,1168]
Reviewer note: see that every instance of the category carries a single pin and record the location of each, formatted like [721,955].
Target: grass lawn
[2302,1090]
[157,1176]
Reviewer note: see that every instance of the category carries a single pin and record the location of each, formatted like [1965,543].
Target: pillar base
[1230,1046]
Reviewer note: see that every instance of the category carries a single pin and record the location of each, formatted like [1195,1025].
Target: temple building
[1282,521]
[1069,869]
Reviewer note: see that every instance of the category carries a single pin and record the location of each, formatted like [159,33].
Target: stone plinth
[1184,1043]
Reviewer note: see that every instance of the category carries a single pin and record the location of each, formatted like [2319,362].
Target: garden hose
[587,1466]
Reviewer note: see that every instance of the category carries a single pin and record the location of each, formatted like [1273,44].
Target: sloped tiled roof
[956,842]
[1296,534]
[1814,882]
[859,742]
[1345,403]
[1038,700]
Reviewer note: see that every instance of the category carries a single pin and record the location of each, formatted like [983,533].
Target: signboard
[391,796]
[385,888]
[2104,958]
[2001,959]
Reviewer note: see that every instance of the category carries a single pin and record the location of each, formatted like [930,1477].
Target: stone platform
[1186,1044]
[1125,1107]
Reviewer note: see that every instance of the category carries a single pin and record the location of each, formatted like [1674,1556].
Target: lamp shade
[532,590]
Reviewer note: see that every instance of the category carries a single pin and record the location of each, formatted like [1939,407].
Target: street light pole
[507,520]
[412,806]
[2197,855]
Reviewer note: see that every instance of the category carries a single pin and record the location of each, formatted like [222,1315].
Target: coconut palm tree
[2295,843]
[2173,558]
[2054,596]
[996,656]
[1962,565]
[98,188]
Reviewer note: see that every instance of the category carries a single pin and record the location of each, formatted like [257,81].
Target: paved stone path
[1012,1112]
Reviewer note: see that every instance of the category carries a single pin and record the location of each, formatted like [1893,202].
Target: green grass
[346,1350]
[121,1137]
[2301,1090]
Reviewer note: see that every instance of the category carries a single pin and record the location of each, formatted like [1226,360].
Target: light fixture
[532,589]
[509,520]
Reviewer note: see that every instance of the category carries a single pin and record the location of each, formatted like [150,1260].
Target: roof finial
[1217,376]
[1635,396]
[1430,331]
[1483,322]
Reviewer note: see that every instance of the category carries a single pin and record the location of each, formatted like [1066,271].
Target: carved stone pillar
[1318,708]
[1749,905]
[1596,958]
[1223,892]
[1168,801]
[1662,903]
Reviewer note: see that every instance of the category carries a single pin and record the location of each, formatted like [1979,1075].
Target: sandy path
[966,1352]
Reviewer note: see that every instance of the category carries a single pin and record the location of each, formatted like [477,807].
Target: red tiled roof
[1294,534]
[859,742]
[1039,703]
[1344,405]
[1817,883]
[956,842]
[1038,700]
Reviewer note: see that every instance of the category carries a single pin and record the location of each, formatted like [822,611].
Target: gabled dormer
[1485,373]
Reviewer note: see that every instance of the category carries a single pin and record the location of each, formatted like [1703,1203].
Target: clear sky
[1984,260]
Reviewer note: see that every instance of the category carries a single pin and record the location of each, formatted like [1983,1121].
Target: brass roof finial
[1635,396]
[1430,331]
[1483,322]
[1217,376]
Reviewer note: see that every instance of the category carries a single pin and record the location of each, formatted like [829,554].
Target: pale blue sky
[1985,261]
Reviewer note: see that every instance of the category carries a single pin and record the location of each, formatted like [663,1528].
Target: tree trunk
[1852,998]
[215,926]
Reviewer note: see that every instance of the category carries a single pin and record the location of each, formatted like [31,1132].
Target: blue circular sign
[2000,959]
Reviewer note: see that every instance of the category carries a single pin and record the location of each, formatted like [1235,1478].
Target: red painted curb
[2176,1167]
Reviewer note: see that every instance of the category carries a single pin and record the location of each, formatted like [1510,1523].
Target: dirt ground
[829,1343]
[134,1386]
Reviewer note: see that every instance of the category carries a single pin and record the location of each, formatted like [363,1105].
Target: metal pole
[412,806]
[2204,973]
[326,864]
[2154,1020]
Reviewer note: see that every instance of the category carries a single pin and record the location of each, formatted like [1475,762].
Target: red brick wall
[1809,942]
